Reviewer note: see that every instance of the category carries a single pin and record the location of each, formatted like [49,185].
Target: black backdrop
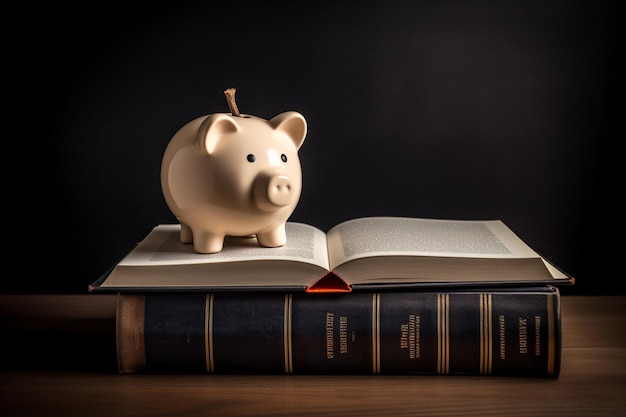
[445,109]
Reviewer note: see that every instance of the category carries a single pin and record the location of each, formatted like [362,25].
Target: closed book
[507,331]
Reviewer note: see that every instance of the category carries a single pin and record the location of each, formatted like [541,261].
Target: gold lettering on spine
[551,335]
[486,336]
[343,334]
[418,337]
[502,335]
[410,336]
[376,333]
[404,336]
[330,327]
[537,335]
[523,335]
[208,333]
[443,333]
[287,334]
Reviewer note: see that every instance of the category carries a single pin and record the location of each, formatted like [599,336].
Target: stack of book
[388,295]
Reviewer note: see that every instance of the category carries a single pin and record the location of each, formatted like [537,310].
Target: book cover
[452,332]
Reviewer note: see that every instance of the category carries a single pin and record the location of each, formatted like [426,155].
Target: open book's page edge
[144,251]
[268,273]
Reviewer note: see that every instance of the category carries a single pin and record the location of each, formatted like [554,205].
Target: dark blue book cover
[464,331]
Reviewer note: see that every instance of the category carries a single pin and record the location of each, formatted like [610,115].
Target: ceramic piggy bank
[234,175]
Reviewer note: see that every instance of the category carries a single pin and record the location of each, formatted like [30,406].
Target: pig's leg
[185,234]
[207,242]
[273,238]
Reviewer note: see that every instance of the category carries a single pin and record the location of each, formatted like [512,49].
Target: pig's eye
[283,157]
[251,157]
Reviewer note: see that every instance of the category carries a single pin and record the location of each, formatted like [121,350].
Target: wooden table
[59,360]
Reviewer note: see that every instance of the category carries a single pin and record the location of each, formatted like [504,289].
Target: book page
[383,236]
[162,246]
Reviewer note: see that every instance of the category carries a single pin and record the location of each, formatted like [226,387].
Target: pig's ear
[293,124]
[212,129]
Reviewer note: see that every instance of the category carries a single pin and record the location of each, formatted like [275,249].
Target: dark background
[444,109]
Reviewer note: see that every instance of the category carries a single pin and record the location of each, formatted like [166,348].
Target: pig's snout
[279,190]
[273,191]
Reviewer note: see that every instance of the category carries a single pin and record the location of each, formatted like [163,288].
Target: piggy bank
[234,175]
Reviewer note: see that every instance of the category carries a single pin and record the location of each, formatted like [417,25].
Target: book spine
[486,333]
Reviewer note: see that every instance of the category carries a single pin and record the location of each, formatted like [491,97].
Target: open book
[369,252]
